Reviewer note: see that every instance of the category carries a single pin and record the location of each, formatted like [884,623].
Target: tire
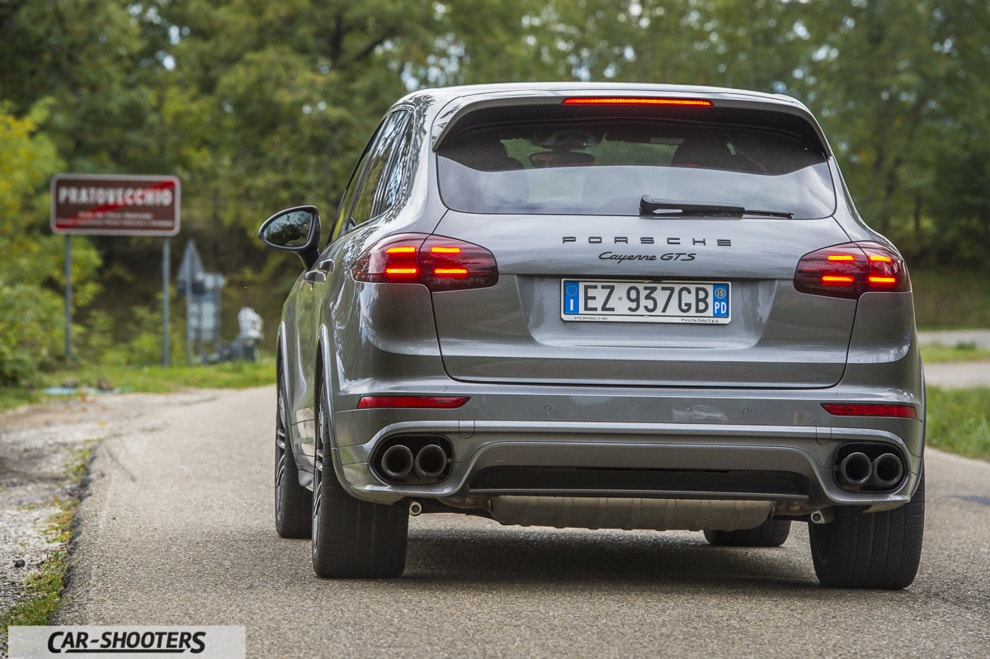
[870,550]
[293,502]
[352,539]
[771,533]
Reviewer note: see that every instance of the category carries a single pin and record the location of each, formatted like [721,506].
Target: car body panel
[564,409]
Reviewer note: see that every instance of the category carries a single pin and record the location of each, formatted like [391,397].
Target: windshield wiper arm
[650,207]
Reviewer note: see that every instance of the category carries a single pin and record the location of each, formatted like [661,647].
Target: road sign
[115,205]
[190,268]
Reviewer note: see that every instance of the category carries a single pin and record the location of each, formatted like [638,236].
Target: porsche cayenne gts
[599,306]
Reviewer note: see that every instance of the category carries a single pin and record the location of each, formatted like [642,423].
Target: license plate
[645,301]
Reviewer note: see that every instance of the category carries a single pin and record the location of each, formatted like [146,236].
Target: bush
[31,331]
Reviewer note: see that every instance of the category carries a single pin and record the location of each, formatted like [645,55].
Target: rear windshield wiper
[650,207]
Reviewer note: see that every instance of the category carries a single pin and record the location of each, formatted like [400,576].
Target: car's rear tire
[870,550]
[293,502]
[352,539]
[771,533]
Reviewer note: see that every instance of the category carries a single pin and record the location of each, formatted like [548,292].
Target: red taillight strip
[437,262]
[851,269]
[435,402]
[871,409]
[634,100]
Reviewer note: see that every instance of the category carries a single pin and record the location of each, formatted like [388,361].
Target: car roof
[481,92]
[449,104]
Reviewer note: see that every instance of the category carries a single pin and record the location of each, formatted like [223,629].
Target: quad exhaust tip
[887,470]
[856,469]
[869,468]
[397,462]
[415,459]
[431,462]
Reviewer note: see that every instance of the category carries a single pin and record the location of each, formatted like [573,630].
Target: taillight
[871,409]
[439,263]
[851,269]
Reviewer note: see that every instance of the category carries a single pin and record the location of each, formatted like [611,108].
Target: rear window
[604,166]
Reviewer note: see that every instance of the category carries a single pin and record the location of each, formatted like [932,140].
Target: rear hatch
[641,248]
[516,330]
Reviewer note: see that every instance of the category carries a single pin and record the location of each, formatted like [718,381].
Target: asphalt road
[178,530]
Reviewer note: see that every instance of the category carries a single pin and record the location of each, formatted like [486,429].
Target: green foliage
[260,105]
[146,345]
[158,379]
[959,421]
[29,158]
[31,259]
[946,298]
[961,352]
[148,379]
[90,59]
[29,335]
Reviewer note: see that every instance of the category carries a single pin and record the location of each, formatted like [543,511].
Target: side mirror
[294,230]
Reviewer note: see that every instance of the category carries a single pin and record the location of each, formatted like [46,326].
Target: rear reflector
[851,269]
[435,402]
[439,263]
[634,100]
[871,409]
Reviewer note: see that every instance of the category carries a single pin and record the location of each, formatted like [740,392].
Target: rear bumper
[776,446]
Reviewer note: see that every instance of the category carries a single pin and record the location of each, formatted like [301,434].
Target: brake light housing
[638,100]
[851,269]
[437,262]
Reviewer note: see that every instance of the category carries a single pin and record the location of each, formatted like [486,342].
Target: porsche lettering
[648,240]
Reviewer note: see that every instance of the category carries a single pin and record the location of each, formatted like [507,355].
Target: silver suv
[599,306]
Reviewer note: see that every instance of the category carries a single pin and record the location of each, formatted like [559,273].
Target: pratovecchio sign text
[115,205]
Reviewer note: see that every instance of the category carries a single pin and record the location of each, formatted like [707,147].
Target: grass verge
[148,379]
[959,421]
[934,353]
[45,586]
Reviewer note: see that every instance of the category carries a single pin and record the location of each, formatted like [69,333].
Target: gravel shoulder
[37,446]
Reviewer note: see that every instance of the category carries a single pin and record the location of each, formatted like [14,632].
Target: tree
[31,262]
[258,105]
